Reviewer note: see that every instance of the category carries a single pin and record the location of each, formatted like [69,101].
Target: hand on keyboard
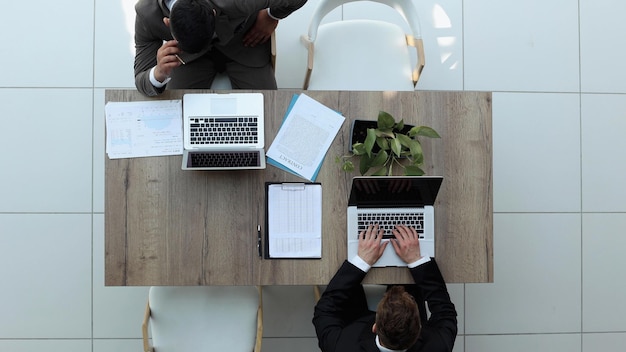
[370,246]
[406,243]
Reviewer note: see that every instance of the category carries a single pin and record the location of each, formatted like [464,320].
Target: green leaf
[400,125]
[358,149]
[384,134]
[383,143]
[364,163]
[348,166]
[413,170]
[404,140]
[416,149]
[418,159]
[396,147]
[385,121]
[369,141]
[379,159]
[423,131]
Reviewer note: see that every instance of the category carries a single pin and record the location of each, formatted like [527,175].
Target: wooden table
[166,226]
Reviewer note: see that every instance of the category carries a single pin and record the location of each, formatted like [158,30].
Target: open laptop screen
[394,191]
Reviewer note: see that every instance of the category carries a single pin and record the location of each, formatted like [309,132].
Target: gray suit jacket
[233,19]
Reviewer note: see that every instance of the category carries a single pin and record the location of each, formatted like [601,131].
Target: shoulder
[147,8]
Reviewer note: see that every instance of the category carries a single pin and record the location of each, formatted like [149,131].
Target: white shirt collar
[385,349]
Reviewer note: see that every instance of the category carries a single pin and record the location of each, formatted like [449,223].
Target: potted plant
[384,145]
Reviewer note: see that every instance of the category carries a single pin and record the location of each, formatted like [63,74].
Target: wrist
[158,83]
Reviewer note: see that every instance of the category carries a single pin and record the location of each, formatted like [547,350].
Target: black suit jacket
[344,324]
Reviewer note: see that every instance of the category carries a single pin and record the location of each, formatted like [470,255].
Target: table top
[167,226]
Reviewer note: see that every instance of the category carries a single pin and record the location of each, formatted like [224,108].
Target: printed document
[294,220]
[304,137]
[144,128]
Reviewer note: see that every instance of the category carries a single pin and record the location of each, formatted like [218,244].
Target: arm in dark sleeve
[336,307]
[146,47]
[282,8]
[279,9]
[441,327]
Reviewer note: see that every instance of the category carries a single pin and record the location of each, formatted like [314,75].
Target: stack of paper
[304,137]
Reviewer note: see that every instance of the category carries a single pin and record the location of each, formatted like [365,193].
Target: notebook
[223,131]
[388,201]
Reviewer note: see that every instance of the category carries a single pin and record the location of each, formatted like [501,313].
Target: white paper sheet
[305,136]
[144,128]
[294,220]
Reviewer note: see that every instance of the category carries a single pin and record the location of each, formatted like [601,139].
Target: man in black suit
[183,44]
[343,322]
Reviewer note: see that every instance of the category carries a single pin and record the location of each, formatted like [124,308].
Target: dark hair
[192,24]
[397,319]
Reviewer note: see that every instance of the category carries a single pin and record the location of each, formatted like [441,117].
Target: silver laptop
[388,201]
[223,131]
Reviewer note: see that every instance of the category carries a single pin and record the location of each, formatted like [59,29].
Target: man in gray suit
[183,44]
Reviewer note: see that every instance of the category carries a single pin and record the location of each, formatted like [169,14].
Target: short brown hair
[398,322]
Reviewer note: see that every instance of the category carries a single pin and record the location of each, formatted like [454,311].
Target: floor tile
[603,166]
[459,344]
[50,171]
[114,44]
[605,342]
[521,46]
[99,154]
[537,278]
[288,311]
[45,266]
[457,296]
[46,345]
[601,55]
[52,44]
[117,311]
[523,343]
[603,272]
[113,345]
[303,344]
[536,152]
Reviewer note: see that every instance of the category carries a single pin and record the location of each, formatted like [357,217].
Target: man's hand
[262,29]
[370,247]
[166,60]
[406,244]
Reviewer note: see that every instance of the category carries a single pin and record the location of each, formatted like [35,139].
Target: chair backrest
[405,8]
[363,54]
[203,318]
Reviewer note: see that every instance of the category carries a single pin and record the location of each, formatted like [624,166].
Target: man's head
[397,319]
[192,23]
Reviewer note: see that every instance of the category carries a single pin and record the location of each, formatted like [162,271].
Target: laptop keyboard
[223,130]
[224,159]
[387,222]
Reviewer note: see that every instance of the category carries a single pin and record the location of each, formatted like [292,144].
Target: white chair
[363,54]
[203,318]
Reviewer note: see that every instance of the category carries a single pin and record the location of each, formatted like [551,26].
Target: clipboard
[293,220]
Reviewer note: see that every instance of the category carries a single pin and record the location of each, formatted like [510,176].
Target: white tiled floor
[558,119]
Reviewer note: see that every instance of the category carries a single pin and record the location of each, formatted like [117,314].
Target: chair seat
[221,81]
[361,55]
[203,318]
